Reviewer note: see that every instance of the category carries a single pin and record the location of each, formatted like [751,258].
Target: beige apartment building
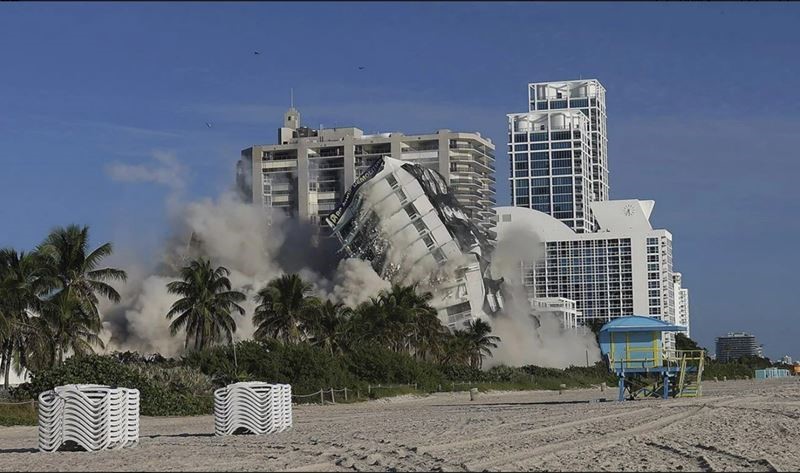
[308,171]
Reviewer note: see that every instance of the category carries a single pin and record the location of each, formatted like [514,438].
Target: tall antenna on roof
[291,97]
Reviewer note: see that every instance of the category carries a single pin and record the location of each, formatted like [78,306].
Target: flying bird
[256,53]
[361,68]
[208,124]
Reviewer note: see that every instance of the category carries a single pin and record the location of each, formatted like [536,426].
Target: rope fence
[328,396]
[17,403]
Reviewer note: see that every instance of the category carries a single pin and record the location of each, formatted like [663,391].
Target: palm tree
[68,327]
[413,323]
[79,279]
[329,326]
[285,309]
[481,342]
[204,311]
[369,324]
[456,348]
[21,286]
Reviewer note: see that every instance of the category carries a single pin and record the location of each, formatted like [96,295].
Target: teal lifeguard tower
[632,347]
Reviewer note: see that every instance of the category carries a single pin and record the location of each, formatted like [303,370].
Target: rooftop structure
[562,308]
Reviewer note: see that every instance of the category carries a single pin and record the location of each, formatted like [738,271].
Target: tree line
[49,310]
[400,318]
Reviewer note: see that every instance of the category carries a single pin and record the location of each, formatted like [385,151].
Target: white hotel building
[624,268]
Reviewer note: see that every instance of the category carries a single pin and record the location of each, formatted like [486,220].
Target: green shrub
[161,392]
[376,364]
[305,367]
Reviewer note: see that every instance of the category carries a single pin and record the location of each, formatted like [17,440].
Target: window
[391,180]
[579,103]
[411,211]
[560,135]
[428,240]
[438,254]
[538,136]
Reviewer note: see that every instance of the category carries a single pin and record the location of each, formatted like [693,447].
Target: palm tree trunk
[7,371]
[6,365]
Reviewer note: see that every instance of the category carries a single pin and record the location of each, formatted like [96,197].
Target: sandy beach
[735,426]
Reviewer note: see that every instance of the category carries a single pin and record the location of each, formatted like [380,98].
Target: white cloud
[165,170]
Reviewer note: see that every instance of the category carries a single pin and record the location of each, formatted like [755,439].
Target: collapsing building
[403,218]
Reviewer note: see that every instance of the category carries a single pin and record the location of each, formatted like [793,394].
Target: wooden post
[452,386]
[415,386]
[369,389]
[322,397]
[333,398]
[345,393]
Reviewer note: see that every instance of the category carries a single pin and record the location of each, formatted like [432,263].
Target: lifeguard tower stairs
[632,347]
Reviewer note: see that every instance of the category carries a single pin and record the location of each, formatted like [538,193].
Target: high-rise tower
[557,151]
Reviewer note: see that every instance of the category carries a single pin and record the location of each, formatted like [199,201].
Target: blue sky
[702,113]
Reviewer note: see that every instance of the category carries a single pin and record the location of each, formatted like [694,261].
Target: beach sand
[736,426]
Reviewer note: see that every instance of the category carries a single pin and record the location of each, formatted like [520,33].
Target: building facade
[589,97]
[405,220]
[622,269]
[551,169]
[308,171]
[681,303]
[736,345]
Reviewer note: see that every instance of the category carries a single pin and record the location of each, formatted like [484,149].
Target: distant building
[787,360]
[736,345]
[565,310]
[307,173]
[681,303]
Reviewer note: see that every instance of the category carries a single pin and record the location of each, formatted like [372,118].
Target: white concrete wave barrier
[95,417]
[256,407]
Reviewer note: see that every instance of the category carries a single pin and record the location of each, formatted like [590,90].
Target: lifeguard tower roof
[640,323]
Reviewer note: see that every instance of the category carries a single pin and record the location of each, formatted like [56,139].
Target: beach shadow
[176,435]
[18,450]
[537,403]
